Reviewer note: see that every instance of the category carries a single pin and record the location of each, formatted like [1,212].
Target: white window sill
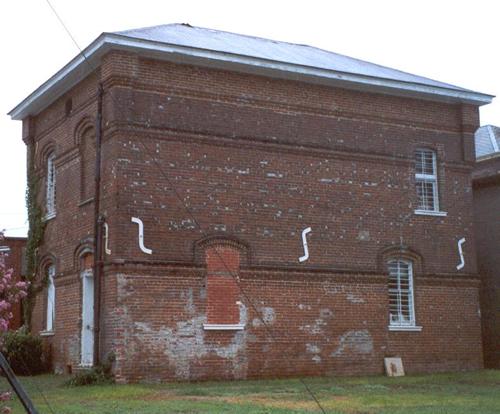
[49,216]
[46,333]
[431,213]
[223,326]
[84,202]
[405,328]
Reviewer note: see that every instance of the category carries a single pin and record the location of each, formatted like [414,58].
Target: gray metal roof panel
[220,41]
[185,44]
[485,139]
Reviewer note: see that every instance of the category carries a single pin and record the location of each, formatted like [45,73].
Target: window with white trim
[401,308]
[426,180]
[50,199]
[51,299]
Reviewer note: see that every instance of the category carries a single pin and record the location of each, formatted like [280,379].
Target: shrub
[23,351]
[10,291]
[100,374]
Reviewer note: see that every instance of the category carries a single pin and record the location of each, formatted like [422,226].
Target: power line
[193,217]
[66,29]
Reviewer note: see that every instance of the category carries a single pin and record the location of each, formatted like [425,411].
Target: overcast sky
[451,41]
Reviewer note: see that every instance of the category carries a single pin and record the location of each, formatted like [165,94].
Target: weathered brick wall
[258,160]
[319,324]
[355,208]
[448,311]
[231,158]
[71,136]
[487,221]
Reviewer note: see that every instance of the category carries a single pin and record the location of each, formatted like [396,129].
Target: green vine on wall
[35,237]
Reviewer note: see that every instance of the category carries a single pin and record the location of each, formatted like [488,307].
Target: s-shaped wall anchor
[460,251]
[304,242]
[141,235]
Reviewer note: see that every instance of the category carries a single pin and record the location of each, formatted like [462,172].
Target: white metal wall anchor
[106,235]
[141,235]
[304,242]
[460,251]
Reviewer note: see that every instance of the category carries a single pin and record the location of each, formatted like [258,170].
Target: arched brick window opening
[223,293]
[87,164]
[86,261]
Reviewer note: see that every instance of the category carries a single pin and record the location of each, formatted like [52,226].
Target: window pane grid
[425,162]
[51,186]
[401,309]
[426,180]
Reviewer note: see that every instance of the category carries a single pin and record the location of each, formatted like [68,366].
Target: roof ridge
[249,54]
[402,72]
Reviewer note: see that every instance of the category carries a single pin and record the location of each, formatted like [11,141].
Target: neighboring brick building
[486,185]
[255,141]
[13,249]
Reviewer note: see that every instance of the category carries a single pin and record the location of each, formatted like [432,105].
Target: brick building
[13,249]
[486,189]
[262,209]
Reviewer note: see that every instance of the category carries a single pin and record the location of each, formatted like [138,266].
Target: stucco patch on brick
[356,342]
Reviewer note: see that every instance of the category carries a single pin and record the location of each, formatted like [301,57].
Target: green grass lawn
[456,393]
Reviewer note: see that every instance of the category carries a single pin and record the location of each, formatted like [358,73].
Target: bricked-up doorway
[223,263]
[87,334]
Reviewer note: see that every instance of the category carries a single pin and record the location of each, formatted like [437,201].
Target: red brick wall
[487,221]
[69,136]
[320,324]
[256,160]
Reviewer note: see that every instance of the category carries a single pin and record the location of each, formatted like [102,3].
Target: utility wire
[66,29]
[191,214]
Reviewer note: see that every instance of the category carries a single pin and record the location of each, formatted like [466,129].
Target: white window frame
[428,178]
[51,299]
[50,199]
[398,321]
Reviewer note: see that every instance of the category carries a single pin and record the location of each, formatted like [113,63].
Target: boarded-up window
[87,164]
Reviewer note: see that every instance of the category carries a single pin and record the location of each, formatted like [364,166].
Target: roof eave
[89,60]
[67,77]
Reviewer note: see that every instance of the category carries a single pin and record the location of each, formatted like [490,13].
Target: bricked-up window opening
[51,299]
[426,180]
[50,199]
[223,263]
[68,107]
[87,165]
[401,309]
